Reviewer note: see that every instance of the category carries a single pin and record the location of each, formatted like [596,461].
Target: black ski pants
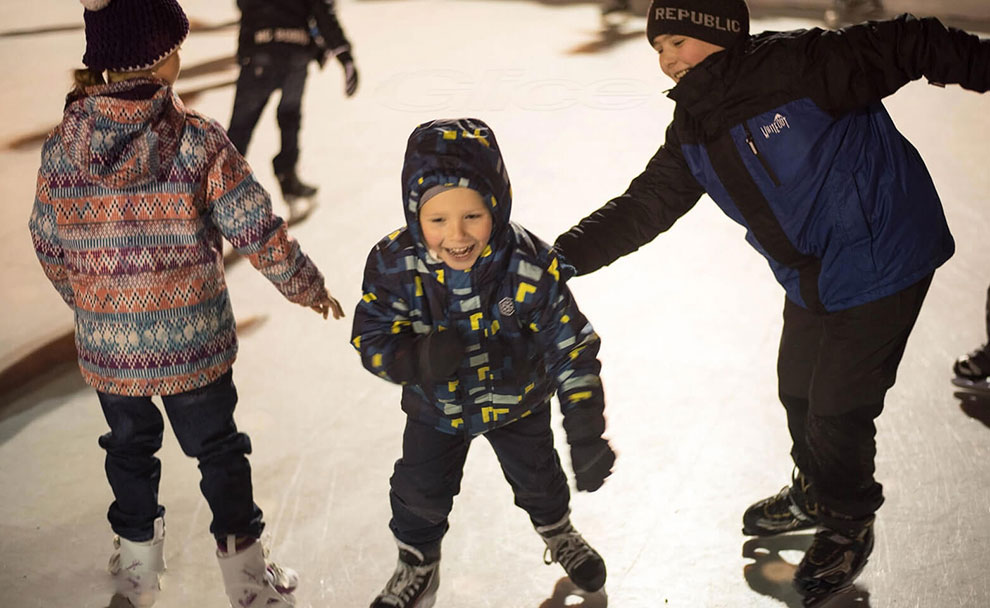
[834,370]
[262,74]
[428,476]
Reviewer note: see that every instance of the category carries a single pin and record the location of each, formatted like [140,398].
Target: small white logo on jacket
[779,122]
[507,307]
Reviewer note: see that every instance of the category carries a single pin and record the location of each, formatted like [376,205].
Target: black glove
[350,73]
[438,355]
[592,461]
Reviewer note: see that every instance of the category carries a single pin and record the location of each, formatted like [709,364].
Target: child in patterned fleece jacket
[134,196]
[470,313]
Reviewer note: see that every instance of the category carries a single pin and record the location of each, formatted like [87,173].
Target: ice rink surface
[689,326]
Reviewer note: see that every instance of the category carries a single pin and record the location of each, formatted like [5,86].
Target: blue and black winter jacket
[787,134]
[524,335]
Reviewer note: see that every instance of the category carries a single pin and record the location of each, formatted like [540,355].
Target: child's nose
[457,230]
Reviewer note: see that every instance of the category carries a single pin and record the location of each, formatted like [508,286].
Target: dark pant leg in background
[842,365]
[132,469]
[289,113]
[988,317]
[203,422]
[423,485]
[260,76]
[532,467]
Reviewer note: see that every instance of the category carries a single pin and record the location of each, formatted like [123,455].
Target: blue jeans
[263,73]
[428,476]
[203,422]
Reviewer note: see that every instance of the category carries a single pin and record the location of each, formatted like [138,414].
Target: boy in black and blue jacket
[787,133]
[470,313]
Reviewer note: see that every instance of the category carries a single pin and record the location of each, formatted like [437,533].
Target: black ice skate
[833,561]
[580,561]
[847,12]
[414,583]
[789,510]
[972,371]
[292,188]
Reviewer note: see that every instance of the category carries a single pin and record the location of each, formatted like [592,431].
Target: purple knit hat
[131,35]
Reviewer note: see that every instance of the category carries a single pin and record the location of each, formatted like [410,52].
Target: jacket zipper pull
[752,144]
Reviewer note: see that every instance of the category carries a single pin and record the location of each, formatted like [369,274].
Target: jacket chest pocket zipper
[759,157]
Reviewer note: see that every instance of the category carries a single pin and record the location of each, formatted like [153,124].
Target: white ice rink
[689,327]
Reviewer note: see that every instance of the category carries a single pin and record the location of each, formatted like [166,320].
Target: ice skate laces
[568,548]
[284,580]
[407,581]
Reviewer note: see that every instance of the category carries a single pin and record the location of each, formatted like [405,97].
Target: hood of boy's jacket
[456,152]
[122,134]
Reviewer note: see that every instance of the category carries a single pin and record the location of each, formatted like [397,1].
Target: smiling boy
[787,133]
[470,313]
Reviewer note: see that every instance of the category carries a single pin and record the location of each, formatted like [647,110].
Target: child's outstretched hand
[592,460]
[328,304]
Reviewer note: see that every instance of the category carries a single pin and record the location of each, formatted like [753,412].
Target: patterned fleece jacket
[523,332]
[135,194]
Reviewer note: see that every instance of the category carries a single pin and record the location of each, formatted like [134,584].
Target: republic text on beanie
[721,22]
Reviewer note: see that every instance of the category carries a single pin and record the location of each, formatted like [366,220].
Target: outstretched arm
[661,194]
[242,210]
[861,64]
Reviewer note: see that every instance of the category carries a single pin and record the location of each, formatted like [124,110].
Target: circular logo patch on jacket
[506,307]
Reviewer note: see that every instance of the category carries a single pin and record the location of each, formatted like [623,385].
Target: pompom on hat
[721,22]
[131,35]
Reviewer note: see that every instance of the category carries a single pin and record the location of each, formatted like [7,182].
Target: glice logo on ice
[494,90]
[779,122]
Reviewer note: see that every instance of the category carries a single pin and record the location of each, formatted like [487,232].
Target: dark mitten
[565,268]
[592,461]
[350,72]
[439,354]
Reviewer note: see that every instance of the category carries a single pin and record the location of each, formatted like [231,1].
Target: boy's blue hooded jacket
[523,332]
[787,134]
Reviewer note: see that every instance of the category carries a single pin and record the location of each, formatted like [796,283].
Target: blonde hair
[86,77]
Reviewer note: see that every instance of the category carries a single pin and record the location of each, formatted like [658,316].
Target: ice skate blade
[802,527]
[300,207]
[980,386]
[838,598]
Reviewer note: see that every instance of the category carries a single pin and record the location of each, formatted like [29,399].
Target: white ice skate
[252,581]
[137,567]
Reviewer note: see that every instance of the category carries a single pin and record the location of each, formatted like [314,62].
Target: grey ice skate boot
[834,560]
[580,561]
[791,509]
[847,12]
[414,583]
[293,188]
[251,580]
[137,567]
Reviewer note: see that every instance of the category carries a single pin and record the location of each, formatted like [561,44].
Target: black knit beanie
[720,22]
[131,35]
